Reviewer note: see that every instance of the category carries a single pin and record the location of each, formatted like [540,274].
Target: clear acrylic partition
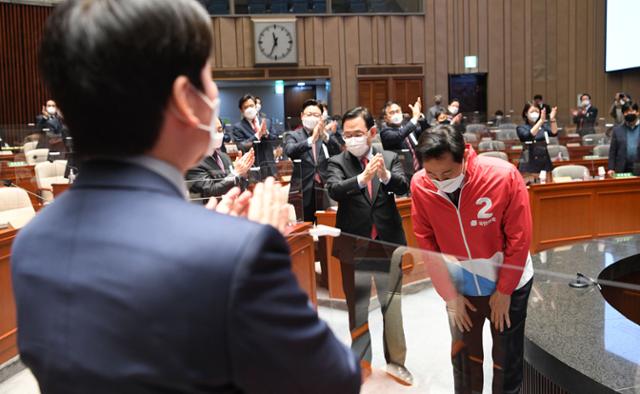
[269,162]
[395,311]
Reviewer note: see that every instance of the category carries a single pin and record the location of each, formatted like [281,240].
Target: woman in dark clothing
[534,134]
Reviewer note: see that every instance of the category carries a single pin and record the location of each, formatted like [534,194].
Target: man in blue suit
[144,292]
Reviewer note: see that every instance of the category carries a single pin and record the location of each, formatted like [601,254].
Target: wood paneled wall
[551,47]
[22,93]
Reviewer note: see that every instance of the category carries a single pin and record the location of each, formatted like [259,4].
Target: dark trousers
[383,265]
[507,352]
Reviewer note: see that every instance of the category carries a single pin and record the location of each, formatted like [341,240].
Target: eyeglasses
[317,115]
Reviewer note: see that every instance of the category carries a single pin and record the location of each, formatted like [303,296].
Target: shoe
[400,373]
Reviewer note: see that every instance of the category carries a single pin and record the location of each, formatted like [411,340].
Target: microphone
[9,183]
[583,281]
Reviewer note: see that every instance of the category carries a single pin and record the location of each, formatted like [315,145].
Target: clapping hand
[554,112]
[381,170]
[243,164]
[416,109]
[318,132]
[233,203]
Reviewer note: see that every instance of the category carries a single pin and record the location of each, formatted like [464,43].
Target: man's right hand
[416,109]
[457,309]
[45,113]
[318,132]
[611,173]
[372,168]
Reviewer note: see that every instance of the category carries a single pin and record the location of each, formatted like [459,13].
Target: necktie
[218,159]
[416,163]
[314,150]
[255,125]
[365,161]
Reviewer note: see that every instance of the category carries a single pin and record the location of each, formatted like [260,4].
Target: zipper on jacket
[464,237]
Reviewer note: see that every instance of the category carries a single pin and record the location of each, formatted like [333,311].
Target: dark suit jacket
[356,212]
[53,123]
[244,134]
[296,148]
[618,150]
[395,139]
[208,179]
[151,294]
[587,121]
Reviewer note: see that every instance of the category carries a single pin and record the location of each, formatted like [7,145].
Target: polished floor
[428,341]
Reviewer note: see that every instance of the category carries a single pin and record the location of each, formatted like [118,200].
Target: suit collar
[124,174]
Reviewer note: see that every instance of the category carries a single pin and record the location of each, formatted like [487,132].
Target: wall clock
[275,41]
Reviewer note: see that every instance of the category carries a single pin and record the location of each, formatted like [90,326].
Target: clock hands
[275,44]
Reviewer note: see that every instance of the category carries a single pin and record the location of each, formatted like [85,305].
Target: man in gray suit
[145,292]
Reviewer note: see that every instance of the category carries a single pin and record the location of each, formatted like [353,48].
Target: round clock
[275,42]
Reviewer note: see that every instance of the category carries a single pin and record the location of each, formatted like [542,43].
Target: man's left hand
[499,304]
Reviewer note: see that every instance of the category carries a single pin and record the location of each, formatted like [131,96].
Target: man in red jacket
[477,209]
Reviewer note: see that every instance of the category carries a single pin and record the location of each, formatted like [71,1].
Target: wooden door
[406,91]
[294,97]
[373,93]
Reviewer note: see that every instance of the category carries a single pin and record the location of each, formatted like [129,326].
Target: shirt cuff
[414,121]
[310,141]
[388,178]
[361,183]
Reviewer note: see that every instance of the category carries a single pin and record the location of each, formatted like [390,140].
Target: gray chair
[601,151]
[558,150]
[508,126]
[554,141]
[499,155]
[485,146]
[573,171]
[476,128]
[506,135]
[470,137]
[594,139]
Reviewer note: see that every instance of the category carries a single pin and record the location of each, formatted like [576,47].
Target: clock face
[275,42]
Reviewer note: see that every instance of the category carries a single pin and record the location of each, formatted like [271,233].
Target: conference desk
[302,254]
[591,164]
[8,331]
[573,211]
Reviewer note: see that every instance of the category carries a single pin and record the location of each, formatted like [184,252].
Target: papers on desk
[573,144]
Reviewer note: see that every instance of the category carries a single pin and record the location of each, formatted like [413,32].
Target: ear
[182,101]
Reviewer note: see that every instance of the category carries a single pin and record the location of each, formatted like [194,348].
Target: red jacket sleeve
[517,229]
[430,252]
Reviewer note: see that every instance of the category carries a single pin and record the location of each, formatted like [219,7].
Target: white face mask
[310,122]
[357,146]
[453,110]
[325,116]
[258,108]
[211,129]
[585,103]
[51,110]
[396,118]
[250,113]
[533,116]
[622,102]
[449,185]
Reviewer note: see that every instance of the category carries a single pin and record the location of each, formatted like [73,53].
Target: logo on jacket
[485,217]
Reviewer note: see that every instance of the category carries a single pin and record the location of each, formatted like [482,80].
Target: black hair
[245,98]
[128,53]
[323,105]
[537,97]
[440,140]
[525,111]
[453,100]
[311,102]
[585,94]
[256,98]
[629,106]
[359,112]
[386,106]
[499,113]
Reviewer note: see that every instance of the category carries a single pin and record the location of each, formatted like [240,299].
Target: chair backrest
[554,141]
[15,207]
[475,128]
[558,150]
[29,146]
[572,171]
[47,174]
[594,139]
[491,146]
[601,150]
[499,155]
[37,156]
[470,137]
[508,126]
[506,135]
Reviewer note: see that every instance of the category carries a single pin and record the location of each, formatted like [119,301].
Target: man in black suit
[403,139]
[538,101]
[313,146]
[253,132]
[586,117]
[51,119]
[150,293]
[217,174]
[364,182]
[624,149]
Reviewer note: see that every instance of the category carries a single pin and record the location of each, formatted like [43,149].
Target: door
[373,93]
[294,97]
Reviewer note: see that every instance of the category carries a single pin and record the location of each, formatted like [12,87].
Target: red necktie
[374,231]
[416,163]
[255,125]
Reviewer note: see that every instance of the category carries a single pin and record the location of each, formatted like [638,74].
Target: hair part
[359,112]
[439,141]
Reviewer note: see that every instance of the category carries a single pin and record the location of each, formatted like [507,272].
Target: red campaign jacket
[489,233]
